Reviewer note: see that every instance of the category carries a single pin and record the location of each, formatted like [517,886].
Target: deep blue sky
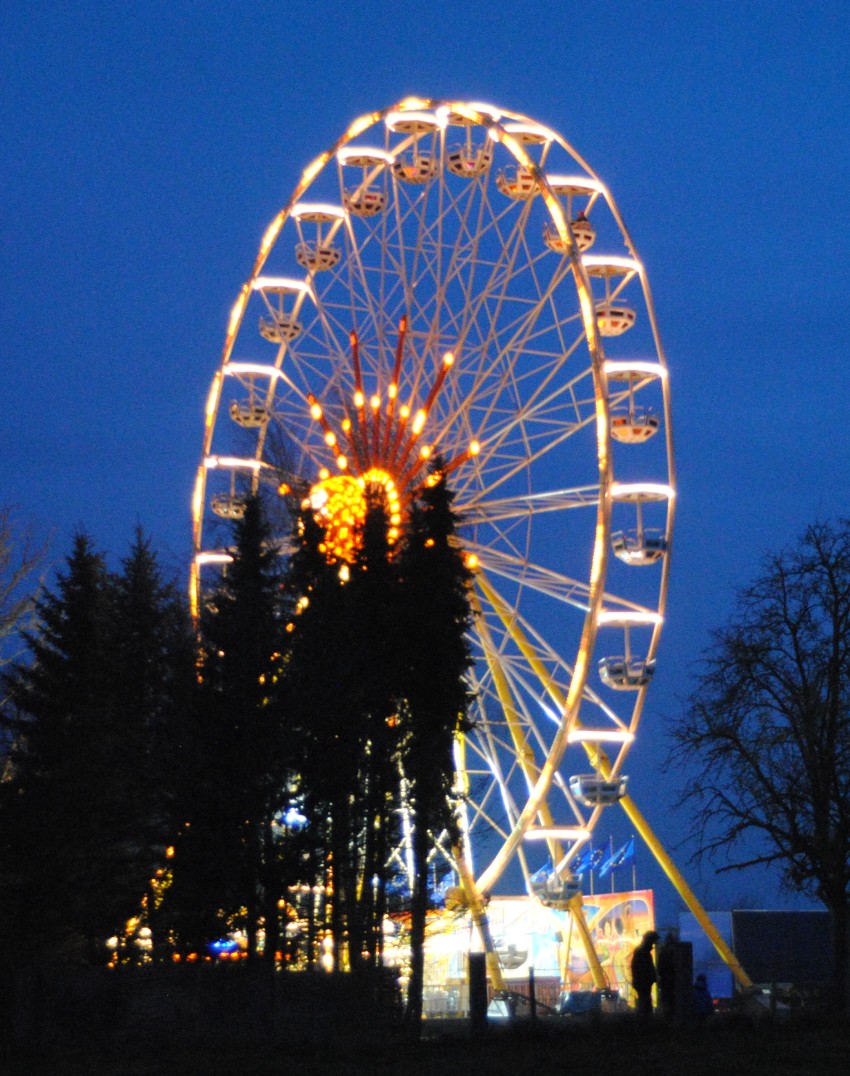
[146,147]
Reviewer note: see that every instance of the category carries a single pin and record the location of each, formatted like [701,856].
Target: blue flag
[620,858]
[589,860]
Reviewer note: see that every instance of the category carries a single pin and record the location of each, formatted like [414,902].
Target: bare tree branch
[21,558]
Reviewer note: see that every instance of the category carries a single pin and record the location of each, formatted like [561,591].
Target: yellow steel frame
[600,761]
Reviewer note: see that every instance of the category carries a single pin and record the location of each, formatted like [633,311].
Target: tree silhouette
[84,816]
[768,728]
[341,693]
[235,775]
[437,615]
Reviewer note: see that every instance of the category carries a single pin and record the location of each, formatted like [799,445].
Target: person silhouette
[644,974]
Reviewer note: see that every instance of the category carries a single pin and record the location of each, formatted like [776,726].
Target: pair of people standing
[645,975]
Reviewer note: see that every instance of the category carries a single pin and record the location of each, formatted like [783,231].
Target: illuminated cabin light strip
[348,153]
[628,618]
[610,261]
[317,210]
[283,284]
[524,131]
[574,185]
[257,369]
[557,833]
[625,368]
[212,462]
[428,121]
[651,491]
[600,736]
[213,558]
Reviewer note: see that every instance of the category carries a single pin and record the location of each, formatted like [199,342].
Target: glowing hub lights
[340,504]
[377,445]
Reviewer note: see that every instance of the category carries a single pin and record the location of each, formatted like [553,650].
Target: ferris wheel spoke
[545,581]
[492,511]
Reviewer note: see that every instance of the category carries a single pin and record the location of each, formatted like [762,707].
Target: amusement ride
[453,280]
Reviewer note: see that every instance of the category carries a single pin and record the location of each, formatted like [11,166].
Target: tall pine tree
[83,812]
[437,615]
[236,776]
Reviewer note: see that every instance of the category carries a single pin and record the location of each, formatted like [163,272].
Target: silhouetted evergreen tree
[236,775]
[373,596]
[152,673]
[83,811]
[437,615]
[341,692]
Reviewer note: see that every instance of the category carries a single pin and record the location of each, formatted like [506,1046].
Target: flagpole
[634,867]
[610,855]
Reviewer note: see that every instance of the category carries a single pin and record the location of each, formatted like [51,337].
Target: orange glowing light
[339,505]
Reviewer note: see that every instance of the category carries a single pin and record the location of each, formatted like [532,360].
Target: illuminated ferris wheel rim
[516,134]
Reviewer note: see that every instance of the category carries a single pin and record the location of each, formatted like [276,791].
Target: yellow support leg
[479,918]
[600,979]
[600,760]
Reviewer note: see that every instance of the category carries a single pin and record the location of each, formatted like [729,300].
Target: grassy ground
[552,1046]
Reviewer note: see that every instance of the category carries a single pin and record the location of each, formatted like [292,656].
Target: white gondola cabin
[469,160]
[317,224]
[591,790]
[228,506]
[419,161]
[250,416]
[517,183]
[639,547]
[553,888]
[626,673]
[367,198]
[283,298]
[633,425]
[280,329]
[583,232]
[615,317]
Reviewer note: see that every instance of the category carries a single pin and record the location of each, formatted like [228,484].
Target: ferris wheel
[452,279]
